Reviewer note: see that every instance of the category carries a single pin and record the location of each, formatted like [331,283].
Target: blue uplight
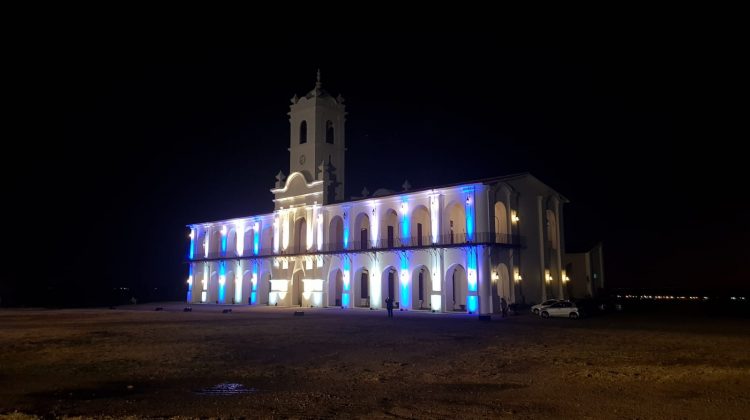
[223,244]
[471,269]
[469,213]
[346,277]
[345,300]
[405,219]
[404,281]
[222,271]
[471,303]
[192,243]
[253,298]
[256,242]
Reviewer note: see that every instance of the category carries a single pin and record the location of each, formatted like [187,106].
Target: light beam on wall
[238,283]
[206,243]
[471,269]
[470,216]
[254,284]
[310,232]
[346,280]
[345,275]
[276,233]
[376,295]
[404,221]
[472,303]
[346,228]
[435,303]
[320,229]
[204,283]
[285,229]
[190,284]
[434,216]
[436,283]
[222,281]
[256,238]
[224,240]
[374,225]
[192,242]
[239,229]
[404,281]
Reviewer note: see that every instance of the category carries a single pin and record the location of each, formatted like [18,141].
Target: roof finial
[317,83]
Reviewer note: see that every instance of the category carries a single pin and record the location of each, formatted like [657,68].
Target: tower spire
[317,83]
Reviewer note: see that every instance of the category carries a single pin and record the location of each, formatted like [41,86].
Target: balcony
[387,244]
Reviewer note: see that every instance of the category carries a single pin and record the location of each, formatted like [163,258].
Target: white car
[563,309]
[536,309]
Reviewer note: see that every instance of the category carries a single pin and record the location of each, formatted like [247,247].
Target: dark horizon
[148,137]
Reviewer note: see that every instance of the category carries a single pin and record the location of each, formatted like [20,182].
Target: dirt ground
[134,361]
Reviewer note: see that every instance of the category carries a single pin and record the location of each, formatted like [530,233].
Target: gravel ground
[135,361]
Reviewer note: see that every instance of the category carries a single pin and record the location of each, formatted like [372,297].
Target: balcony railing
[414,242]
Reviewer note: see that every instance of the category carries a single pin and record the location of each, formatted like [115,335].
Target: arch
[266,240]
[455,223]
[362,231]
[248,241]
[421,286]
[297,288]
[389,231]
[552,229]
[213,288]
[247,288]
[300,235]
[229,287]
[232,243]
[336,287]
[336,234]
[456,288]
[361,288]
[303,132]
[421,228]
[501,223]
[329,132]
[264,287]
[504,282]
[389,286]
[214,244]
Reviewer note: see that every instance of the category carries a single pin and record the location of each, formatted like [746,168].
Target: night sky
[130,140]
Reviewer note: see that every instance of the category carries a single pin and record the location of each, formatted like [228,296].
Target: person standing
[504,306]
[389,306]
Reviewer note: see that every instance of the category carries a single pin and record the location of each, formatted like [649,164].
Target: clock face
[302,159]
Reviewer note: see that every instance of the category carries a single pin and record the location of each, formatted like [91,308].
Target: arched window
[329,131]
[303,132]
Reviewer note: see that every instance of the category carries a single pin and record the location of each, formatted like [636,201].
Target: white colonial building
[458,247]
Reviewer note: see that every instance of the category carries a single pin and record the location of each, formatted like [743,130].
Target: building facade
[458,247]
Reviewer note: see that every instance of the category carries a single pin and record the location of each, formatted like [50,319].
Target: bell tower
[317,140]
